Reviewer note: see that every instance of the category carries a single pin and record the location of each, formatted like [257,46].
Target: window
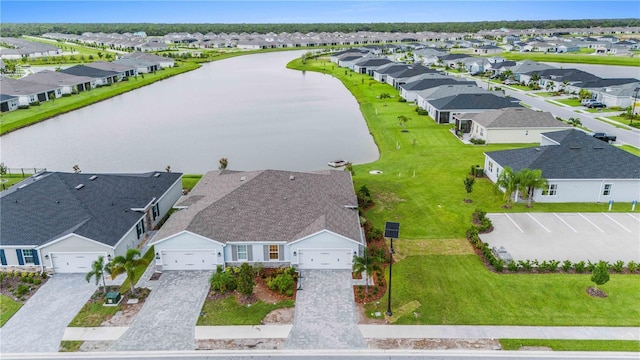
[551,190]
[273,252]
[27,255]
[607,190]
[140,228]
[490,166]
[155,211]
[242,253]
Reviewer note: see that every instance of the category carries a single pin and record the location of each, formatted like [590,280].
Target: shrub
[512,266]
[21,290]
[245,280]
[401,99]
[580,267]
[590,266]
[37,281]
[222,281]
[525,265]
[421,111]
[553,265]
[618,266]
[23,107]
[600,274]
[632,266]
[477,141]
[566,265]
[283,283]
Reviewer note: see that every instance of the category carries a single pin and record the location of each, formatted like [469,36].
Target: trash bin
[113,298]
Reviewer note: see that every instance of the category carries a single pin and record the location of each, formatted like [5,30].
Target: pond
[250,109]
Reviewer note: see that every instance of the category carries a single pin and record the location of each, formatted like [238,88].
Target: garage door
[188,260]
[325,258]
[73,262]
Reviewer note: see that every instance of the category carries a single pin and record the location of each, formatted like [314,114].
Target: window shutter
[265,249]
[281,252]
[3,259]
[20,259]
[36,260]
[250,252]
[234,252]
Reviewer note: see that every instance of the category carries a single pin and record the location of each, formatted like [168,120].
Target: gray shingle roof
[267,206]
[110,66]
[432,83]
[49,206]
[578,156]
[82,70]
[473,101]
[21,87]
[373,62]
[515,118]
[57,78]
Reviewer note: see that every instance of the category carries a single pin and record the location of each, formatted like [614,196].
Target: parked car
[511,82]
[584,102]
[604,137]
[594,105]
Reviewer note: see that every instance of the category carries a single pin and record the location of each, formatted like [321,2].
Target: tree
[507,74]
[385,96]
[3,169]
[468,185]
[364,195]
[584,94]
[508,181]
[367,264]
[530,180]
[97,270]
[245,280]
[600,274]
[223,163]
[402,120]
[460,66]
[349,168]
[550,85]
[127,264]
[574,121]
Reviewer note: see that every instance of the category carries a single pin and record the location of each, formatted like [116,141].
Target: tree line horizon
[159,29]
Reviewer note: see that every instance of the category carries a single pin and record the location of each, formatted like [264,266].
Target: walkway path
[168,317]
[325,314]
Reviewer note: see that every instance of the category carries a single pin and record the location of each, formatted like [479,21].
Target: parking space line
[633,217]
[566,223]
[513,222]
[622,226]
[589,221]
[539,223]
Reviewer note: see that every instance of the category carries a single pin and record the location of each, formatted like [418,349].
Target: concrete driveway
[567,236]
[325,313]
[168,317]
[39,325]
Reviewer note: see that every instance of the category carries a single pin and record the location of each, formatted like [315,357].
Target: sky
[303,11]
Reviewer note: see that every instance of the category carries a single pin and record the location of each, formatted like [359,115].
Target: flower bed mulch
[378,285]
[11,281]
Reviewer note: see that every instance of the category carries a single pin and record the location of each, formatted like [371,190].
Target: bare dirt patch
[387,199]
[596,292]
[431,247]
[363,319]
[241,344]
[21,285]
[435,344]
[280,316]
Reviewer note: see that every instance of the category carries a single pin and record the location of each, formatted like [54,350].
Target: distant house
[508,126]
[274,218]
[410,90]
[102,77]
[368,66]
[578,168]
[68,83]
[443,109]
[555,79]
[487,49]
[163,62]
[29,92]
[401,77]
[382,72]
[62,222]
[141,66]
[124,70]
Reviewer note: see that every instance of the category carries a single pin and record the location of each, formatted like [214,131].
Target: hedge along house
[578,168]
[61,222]
[274,218]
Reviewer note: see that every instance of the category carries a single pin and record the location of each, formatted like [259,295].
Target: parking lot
[567,236]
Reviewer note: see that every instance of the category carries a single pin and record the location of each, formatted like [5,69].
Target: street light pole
[633,110]
[389,313]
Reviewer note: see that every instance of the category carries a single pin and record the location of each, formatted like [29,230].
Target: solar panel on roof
[392,230]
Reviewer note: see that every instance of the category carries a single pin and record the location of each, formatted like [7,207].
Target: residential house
[8,102]
[487,50]
[415,71]
[141,66]
[368,66]
[443,109]
[274,218]
[68,83]
[527,67]
[410,90]
[123,70]
[29,92]
[381,73]
[61,222]
[577,166]
[508,126]
[614,92]
[163,62]
[560,79]
[423,96]
[102,77]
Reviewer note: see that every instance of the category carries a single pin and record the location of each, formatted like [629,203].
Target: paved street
[325,314]
[168,317]
[41,322]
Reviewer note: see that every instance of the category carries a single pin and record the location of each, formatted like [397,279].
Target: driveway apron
[39,325]
[325,313]
[168,317]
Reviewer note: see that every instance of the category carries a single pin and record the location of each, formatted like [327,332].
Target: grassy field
[573,345]
[570,102]
[574,58]
[428,204]
[8,180]
[8,307]
[24,117]
[631,149]
[459,290]
[190,180]
[93,314]
[227,311]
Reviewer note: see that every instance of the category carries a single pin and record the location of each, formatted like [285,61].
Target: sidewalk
[390,332]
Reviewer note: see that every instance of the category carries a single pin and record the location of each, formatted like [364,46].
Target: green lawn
[149,256]
[570,102]
[23,117]
[573,345]
[544,94]
[93,314]
[190,180]
[428,205]
[227,311]
[573,58]
[459,290]
[631,149]
[8,307]
[70,345]
[8,180]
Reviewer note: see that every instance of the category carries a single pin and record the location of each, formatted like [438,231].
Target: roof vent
[22,186]
[291,177]
[79,186]
[156,174]
[243,178]
[93,177]
[574,147]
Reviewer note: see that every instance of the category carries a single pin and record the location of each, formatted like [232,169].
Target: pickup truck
[604,137]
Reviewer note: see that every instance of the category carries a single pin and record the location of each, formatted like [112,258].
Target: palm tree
[127,264]
[97,270]
[367,264]
[223,163]
[402,120]
[531,180]
[385,96]
[508,181]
